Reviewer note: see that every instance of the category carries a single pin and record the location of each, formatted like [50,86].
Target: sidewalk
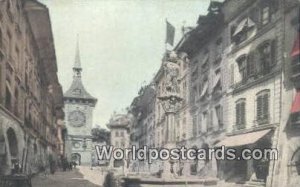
[80,177]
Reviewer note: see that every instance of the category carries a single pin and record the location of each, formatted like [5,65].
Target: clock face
[77,118]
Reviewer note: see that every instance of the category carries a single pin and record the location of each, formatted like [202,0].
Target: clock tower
[79,106]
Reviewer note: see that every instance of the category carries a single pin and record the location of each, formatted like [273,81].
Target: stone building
[119,126]
[205,46]
[79,107]
[286,170]
[254,86]
[30,93]
[143,124]
[241,91]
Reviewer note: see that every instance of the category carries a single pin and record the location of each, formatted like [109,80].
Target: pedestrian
[70,166]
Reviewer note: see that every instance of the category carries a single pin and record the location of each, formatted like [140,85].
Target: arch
[76,157]
[12,143]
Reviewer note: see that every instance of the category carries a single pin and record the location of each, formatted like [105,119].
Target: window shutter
[237,113]
[273,52]
[259,107]
[251,64]
[255,16]
[265,106]
[243,113]
[257,61]
[221,114]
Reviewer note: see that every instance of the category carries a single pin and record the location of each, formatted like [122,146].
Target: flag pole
[166,21]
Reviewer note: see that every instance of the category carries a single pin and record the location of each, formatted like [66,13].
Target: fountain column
[171,103]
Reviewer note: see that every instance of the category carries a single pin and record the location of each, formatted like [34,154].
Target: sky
[121,44]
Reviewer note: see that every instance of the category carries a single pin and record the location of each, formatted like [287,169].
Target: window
[205,121]
[8,99]
[219,114]
[117,133]
[16,107]
[240,108]
[267,54]
[217,86]
[204,89]
[195,126]
[265,15]
[241,31]
[242,63]
[122,134]
[262,107]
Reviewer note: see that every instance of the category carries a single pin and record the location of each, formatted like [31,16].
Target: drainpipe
[277,133]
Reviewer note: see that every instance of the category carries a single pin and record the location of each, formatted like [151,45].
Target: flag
[170,33]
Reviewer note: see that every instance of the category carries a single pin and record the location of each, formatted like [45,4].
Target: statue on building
[172,71]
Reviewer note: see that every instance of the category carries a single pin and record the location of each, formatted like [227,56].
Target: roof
[119,121]
[77,90]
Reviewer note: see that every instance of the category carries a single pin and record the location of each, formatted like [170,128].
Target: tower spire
[77,64]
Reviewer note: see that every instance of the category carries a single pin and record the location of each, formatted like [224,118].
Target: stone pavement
[80,177]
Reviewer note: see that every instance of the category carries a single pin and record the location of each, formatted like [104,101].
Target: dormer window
[240,33]
[265,19]
[77,91]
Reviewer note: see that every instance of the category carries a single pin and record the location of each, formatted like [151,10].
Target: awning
[296,104]
[243,139]
[296,48]
[245,23]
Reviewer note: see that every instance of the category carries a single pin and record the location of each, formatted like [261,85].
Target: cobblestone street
[80,177]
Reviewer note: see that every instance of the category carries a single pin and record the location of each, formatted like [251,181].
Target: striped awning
[243,139]
[296,103]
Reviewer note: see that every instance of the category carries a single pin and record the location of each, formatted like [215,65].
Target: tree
[100,135]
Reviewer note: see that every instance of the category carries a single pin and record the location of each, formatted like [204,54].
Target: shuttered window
[267,52]
[240,113]
[262,107]
[251,64]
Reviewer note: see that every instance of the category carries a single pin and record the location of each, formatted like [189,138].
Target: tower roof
[77,63]
[77,90]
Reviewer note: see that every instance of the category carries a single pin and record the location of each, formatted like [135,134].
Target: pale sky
[121,44]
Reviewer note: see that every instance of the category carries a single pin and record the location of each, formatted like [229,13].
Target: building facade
[79,107]
[119,126]
[143,129]
[30,94]
[241,90]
